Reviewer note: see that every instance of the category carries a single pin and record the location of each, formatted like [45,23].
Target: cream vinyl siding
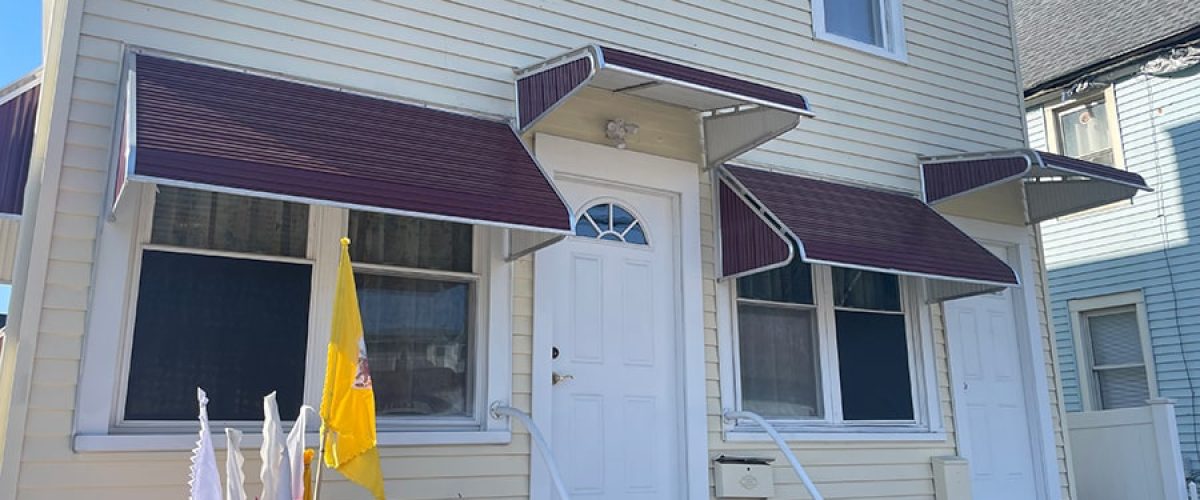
[8,248]
[957,93]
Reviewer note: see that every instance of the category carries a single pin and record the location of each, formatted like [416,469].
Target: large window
[874,26]
[1111,351]
[228,297]
[825,346]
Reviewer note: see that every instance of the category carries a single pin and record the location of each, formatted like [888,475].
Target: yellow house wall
[875,117]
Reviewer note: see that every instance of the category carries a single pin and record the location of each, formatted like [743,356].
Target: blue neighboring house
[1118,82]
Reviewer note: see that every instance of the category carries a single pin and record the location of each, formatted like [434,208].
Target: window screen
[1120,370]
[237,328]
[873,364]
[418,344]
[872,344]
[218,221]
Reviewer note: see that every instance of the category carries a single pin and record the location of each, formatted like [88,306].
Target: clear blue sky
[20,38]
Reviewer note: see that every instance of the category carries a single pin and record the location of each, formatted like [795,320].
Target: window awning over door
[18,111]
[738,115]
[768,218]
[1055,185]
[195,125]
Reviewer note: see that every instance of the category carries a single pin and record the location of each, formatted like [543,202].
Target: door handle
[557,378]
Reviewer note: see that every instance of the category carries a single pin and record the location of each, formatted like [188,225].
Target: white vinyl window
[234,293]
[1112,351]
[1085,131]
[874,26]
[822,348]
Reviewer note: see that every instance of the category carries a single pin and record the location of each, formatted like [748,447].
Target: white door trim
[682,178]
[1018,240]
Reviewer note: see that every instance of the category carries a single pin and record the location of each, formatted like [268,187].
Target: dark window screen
[873,362]
[238,328]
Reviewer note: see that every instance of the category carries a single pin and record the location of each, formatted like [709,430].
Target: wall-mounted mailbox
[743,477]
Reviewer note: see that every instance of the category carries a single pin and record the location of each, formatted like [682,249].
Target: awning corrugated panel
[738,114]
[846,226]
[18,112]
[1055,185]
[197,125]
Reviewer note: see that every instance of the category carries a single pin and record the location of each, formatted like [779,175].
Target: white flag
[235,479]
[295,450]
[275,474]
[205,483]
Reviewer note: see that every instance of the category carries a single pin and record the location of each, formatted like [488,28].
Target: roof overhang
[737,115]
[1054,185]
[197,125]
[768,218]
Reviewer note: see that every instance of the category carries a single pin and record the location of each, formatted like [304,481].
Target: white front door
[616,423]
[992,412]
[610,307]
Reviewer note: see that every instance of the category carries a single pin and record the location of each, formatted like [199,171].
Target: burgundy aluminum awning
[1055,185]
[196,125]
[766,218]
[738,115]
[18,112]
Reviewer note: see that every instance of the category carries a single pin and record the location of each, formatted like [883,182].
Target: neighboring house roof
[1061,39]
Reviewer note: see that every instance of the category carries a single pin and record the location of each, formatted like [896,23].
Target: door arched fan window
[611,222]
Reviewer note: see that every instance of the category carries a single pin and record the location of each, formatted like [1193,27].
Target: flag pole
[320,458]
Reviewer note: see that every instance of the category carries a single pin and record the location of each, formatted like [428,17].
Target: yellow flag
[348,403]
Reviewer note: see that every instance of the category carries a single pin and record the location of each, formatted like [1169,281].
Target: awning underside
[738,115]
[847,226]
[202,126]
[1055,185]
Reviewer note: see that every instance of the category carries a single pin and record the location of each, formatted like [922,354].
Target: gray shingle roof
[1058,37]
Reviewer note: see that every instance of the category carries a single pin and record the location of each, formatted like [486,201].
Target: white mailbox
[743,477]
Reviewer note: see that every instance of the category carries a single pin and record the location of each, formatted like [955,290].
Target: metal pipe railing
[501,410]
[733,416]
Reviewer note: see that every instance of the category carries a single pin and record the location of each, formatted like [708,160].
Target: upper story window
[875,26]
[1084,131]
[819,345]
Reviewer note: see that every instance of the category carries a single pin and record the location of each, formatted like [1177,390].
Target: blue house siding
[1151,244]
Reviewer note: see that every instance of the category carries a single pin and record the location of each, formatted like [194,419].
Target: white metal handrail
[501,410]
[733,416]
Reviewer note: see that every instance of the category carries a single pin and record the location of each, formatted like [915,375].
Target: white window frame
[100,400]
[927,422]
[1054,132]
[1080,310]
[892,16]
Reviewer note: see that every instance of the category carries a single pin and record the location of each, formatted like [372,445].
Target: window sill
[88,443]
[753,434]
[900,56]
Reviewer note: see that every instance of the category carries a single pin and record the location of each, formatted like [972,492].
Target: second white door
[993,419]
